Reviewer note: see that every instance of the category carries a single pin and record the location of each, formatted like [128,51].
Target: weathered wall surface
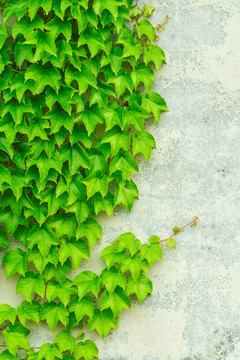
[194,312]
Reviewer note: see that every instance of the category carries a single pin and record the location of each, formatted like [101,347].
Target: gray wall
[194,310]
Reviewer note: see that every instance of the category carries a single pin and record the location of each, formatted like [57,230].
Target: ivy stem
[193,222]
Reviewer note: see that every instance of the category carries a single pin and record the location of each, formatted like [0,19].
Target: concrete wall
[194,312]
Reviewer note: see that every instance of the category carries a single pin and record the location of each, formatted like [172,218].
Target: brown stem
[193,222]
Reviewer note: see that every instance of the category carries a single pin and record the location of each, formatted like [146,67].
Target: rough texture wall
[194,312]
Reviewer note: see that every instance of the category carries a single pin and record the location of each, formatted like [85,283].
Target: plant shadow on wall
[75,98]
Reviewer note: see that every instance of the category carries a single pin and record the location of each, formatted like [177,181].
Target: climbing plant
[75,83]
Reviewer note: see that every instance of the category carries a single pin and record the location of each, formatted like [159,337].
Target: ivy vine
[75,83]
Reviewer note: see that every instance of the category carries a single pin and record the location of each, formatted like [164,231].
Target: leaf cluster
[75,97]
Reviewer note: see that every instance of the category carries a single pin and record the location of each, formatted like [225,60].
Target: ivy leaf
[7,313]
[148,10]
[91,117]
[125,194]
[103,204]
[49,352]
[63,98]
[56,27]
[111,255]
[142,74]
[117,301]
[93,39]
[77,250]
[44,164]
[15,337]
[43,237]
[11,220]
[76,157]
[141,287]
[39,261]
[84,77]
[103,322]
[86,350]
[111,278]
[81,209]
[154,104]
[25,26]
[43,75]
[30,284]
[23,52]
[96,182]
[4,240]
[100,5]
[125,163]
[91,230]
[122,82]
[46,5]
[66,341]
[39,211]
[155,54]
[62,291]
[27,311]
[151,253]
[54,202]
[64,225]
[82,307]
[59,272]
[154,239]
[128,241]
[12,8]
[15,262]
[143,142]
[16,110]
[18,83]
[171,243]
[74,188]
[144,27]
[54,313]
[87,281]
[58,118]
[44,41]
[134,265]
[117,139]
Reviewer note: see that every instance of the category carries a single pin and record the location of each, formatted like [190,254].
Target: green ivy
[75,83]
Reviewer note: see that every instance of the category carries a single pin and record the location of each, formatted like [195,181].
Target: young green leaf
[77,250]
[171,243]
[151,253]
[111,278]
[103,322]
[125,194]
[30,284]
[49,352]
[81,308]
[62,291]
[15,262]
[117,301]
[66,341]
[86,282]
[15,337]
[91,230]
[29,311]
[86,350]
[141,287]
[7,313]
[54,313]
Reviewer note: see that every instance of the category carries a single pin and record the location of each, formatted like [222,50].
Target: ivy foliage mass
[75,83]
